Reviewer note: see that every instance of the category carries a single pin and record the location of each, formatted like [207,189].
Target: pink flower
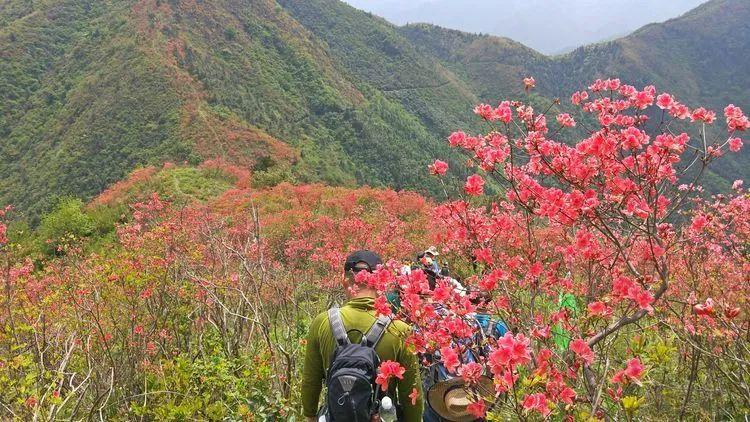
[387,370]
[537,402]
[643,99]
[438,168]
[457,139]
[706,308]
[737,184]
[503,112]
[529,83]
[599,309]
[644,299]
[731,312]
[582,350]
[471,372]
[707,116]
[735,144]
[633,372]
[736,120]
[700,222]
[664,101]
[474,185]
[382,307]
[536,269]
[578,97]
[485,111]
[478,409]
[567,395]
[565,120]
[450,358]
[634,369]
[414,396]
[483,255]
[500,358]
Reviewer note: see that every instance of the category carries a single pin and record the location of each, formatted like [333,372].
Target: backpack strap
[337,327]
[375,333]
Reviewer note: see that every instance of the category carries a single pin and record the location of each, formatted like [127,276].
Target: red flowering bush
[191,310]
[624,285]
[588,242]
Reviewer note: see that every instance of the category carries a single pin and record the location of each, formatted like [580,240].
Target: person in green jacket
[358,315]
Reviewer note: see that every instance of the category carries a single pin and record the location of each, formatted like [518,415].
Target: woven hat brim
[436,395]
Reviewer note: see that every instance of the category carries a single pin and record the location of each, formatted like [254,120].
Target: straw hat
[432,251]
[451,398]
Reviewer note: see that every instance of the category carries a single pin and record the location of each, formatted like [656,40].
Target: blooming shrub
[624,285]
[194,311]
[605,222]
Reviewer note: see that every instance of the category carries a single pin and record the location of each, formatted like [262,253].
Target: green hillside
[701,57]
[90,90]
[304,91]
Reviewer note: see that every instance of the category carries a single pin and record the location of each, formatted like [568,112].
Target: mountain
[700,57]
[292,90]
[551,27]
[91,89]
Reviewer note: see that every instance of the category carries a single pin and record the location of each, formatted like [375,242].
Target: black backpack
[352,392]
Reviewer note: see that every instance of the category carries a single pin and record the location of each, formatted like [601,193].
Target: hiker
[429,259]
[448,396]
[354,322]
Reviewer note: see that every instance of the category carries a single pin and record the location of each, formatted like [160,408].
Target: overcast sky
[549,26]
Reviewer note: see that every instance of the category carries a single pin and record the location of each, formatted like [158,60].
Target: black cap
[368,257]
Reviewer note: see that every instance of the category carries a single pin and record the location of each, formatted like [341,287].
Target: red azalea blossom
[450,358]
[474,185]
[471,372]
[599,309]
[438,168]
[565,120]
[706,308]
[478,409]
[735,144]
[414,396]
[664,101]
[633,372]
[537,402]
[582,350]
[387,370]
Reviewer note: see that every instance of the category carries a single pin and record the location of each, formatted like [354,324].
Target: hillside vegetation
[700,56]
[299,91]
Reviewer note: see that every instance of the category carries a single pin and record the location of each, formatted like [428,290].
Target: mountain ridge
[313,91]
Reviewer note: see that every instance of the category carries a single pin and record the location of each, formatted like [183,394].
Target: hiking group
[346,345]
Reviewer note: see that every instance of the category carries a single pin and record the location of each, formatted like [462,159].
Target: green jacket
[358,316]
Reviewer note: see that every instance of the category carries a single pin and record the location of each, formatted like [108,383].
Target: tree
[599,221]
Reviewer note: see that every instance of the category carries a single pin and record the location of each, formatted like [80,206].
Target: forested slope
[302,91]
[700,56]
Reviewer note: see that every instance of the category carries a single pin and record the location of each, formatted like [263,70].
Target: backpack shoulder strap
[375,333]
[337,327]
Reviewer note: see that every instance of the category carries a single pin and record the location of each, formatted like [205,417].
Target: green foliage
[79,104]
[695,56]
[210,387]
[90,90]
[65,224]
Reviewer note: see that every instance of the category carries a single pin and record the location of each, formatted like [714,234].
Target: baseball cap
[368,257]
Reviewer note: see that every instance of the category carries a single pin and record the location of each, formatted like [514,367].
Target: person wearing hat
[358,315]
[448,395]
[449,399]
[429,259]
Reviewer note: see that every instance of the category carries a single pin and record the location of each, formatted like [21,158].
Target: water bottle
[387,410]
[322,418]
